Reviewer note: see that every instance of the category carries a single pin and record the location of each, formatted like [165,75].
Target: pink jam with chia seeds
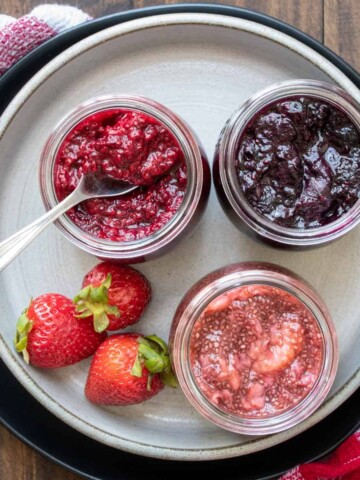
[127,145]
[256,351]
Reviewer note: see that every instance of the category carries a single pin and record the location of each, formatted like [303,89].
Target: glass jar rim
[172,229]
[233,130]
[239,275]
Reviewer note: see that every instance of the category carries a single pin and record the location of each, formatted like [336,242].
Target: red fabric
[343,464]
[19,38]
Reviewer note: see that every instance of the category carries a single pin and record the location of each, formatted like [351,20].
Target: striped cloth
[19,37]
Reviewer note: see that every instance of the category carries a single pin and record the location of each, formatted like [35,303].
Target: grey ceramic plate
[202,66]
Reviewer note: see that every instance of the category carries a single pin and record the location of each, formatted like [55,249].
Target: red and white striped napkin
[342,464]
[17,38]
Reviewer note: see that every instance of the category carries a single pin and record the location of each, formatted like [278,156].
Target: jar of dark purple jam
[287,164]
[254,348]
[133,139]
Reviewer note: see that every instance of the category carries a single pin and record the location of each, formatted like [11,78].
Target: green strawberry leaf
[94,302]
[21,344]
[153,353]
[23,328]
[158,341]
[137,368]
[23,322]
[101,322]
[169,379]
[26,357]
[83,294]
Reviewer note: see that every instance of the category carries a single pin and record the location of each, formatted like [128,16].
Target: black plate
[37,427]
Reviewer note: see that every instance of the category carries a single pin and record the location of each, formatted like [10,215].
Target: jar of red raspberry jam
[287,164]
[254,348]
[134,139]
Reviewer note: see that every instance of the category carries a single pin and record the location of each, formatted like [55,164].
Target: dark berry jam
[126,145]
[256,351]
[298,163]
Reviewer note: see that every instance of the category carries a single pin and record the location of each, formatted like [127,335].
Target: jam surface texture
[127,145]
[298,163]
[256,351]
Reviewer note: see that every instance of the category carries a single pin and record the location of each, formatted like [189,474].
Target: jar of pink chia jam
[254,348]
[134,139]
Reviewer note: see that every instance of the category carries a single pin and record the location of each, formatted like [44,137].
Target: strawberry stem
[94,302]
[153,353]
[23,327]
[137,368]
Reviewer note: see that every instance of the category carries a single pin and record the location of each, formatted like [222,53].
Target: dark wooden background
[333,22]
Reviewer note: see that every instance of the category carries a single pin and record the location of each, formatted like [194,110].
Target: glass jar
[228,188]
[209,292]
[186,216]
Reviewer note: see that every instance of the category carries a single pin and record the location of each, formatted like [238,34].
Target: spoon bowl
[95,184]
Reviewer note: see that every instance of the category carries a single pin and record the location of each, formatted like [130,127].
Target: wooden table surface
[333,22]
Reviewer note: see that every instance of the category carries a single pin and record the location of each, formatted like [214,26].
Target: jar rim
[228,278]
[167,233]
[228,142]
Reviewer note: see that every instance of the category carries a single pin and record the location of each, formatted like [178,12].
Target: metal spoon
[91,185]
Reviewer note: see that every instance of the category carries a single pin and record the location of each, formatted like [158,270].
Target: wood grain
[333,21]
[305,14]
[19,462]
[341,32]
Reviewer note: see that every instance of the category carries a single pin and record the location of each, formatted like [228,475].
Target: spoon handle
[12,246]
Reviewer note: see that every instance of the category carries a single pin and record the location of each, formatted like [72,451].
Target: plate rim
[174,9]
[68,37]
[125,459]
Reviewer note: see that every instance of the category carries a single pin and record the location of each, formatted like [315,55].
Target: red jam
[298,163]
[256,351]
[127,145]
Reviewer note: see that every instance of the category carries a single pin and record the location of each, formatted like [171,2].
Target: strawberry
[128,368]
[115,295]
[49,335]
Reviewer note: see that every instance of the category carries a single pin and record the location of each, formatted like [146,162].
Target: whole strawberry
[128,369]
[115,295]
[49,335]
